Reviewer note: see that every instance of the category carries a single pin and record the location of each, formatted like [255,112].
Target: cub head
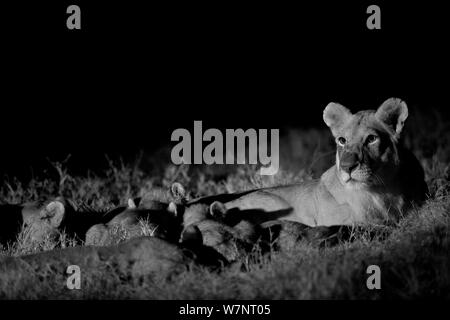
[367,154]
[46,222]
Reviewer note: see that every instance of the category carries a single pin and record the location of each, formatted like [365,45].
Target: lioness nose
[349,161]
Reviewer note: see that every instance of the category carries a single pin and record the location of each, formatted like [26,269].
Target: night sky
[134,73]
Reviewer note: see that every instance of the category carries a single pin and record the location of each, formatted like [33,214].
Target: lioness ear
[393,113]
[335,115]
[178,191]
[217,210]
[54,212]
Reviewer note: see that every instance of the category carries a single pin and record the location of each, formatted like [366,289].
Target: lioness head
[367,153]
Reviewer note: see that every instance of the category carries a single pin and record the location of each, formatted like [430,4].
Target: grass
[414,258]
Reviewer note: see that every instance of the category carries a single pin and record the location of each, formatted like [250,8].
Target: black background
[280,309]
[135,72]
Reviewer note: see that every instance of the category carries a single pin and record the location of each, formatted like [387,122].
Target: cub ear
[218,210]
[335,116]
[178,191]
[393,113]
[131,204]
[172,208]
[54,212]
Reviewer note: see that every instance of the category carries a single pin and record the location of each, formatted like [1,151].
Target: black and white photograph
[224,151]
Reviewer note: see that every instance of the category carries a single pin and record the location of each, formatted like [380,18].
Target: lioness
[375,180]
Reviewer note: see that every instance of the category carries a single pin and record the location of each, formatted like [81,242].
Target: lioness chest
[372,207]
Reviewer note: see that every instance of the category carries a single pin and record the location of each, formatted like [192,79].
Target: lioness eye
[341,141]
[371,138]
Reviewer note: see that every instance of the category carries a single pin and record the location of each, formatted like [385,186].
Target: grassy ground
[414,259]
